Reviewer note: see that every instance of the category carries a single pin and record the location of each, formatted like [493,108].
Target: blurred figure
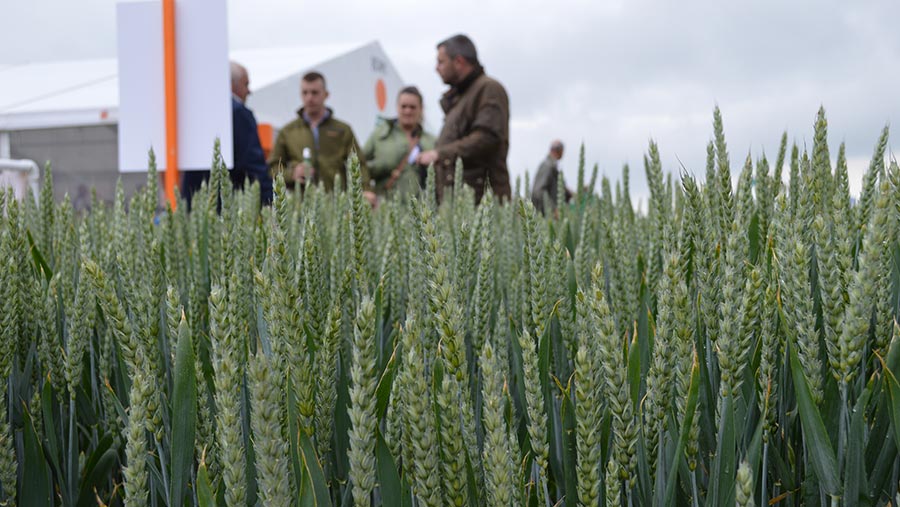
[249,161]
[546,183]
[476,125]
[392,149]
[316,145]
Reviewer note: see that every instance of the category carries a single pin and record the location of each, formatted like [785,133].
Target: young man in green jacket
[316,145]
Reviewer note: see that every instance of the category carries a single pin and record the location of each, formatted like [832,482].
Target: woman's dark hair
[411,90]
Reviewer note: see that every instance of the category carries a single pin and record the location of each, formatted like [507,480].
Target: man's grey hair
[237,72]
[460,45]
[556,146]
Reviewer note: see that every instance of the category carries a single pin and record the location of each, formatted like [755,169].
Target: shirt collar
[456,91]
[327,115]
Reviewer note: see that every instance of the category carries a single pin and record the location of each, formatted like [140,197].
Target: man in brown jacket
[476,122]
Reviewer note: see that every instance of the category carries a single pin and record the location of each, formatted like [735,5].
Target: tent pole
[5,151]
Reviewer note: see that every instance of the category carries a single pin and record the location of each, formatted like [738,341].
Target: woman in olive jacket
[396,142]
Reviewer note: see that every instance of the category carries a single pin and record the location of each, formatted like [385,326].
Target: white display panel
[203,84]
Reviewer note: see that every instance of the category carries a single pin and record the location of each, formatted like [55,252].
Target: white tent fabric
[55,94]
[84,93]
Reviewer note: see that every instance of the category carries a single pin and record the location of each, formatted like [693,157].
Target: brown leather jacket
[476,129]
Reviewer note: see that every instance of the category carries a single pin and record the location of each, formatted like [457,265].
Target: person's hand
[370,197]
[427,157]
[302,171]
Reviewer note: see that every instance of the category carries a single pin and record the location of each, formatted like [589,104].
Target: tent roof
[86,92]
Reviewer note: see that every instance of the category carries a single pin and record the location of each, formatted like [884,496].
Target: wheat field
[730,346]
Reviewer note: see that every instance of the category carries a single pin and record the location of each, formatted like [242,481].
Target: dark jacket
[249,160]
[546,183]
[336,142]
[476,129]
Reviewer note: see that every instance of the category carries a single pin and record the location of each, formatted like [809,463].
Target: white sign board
[203,84]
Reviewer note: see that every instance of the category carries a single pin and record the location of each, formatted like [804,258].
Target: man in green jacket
[315,145]
[476,125]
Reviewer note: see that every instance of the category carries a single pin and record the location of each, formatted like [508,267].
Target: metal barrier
[21,175]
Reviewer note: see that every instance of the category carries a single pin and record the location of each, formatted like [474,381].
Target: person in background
[392,149]
[546,182]
[476,125]
[249,161]
[315,146]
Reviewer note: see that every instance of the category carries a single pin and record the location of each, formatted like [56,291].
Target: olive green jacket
[336,142]
[384,150]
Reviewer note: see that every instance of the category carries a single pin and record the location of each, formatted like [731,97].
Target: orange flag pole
[171,174]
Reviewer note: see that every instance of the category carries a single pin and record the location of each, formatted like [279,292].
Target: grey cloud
[611,74]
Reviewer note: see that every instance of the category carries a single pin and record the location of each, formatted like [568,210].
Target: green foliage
[732,345]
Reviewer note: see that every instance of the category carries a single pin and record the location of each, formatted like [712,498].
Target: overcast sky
[612,74]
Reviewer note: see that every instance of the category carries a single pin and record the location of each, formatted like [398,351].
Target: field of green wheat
[730,346]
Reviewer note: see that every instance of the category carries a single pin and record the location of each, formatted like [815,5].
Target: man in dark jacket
[546,183]
[476,122]
[249,160]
